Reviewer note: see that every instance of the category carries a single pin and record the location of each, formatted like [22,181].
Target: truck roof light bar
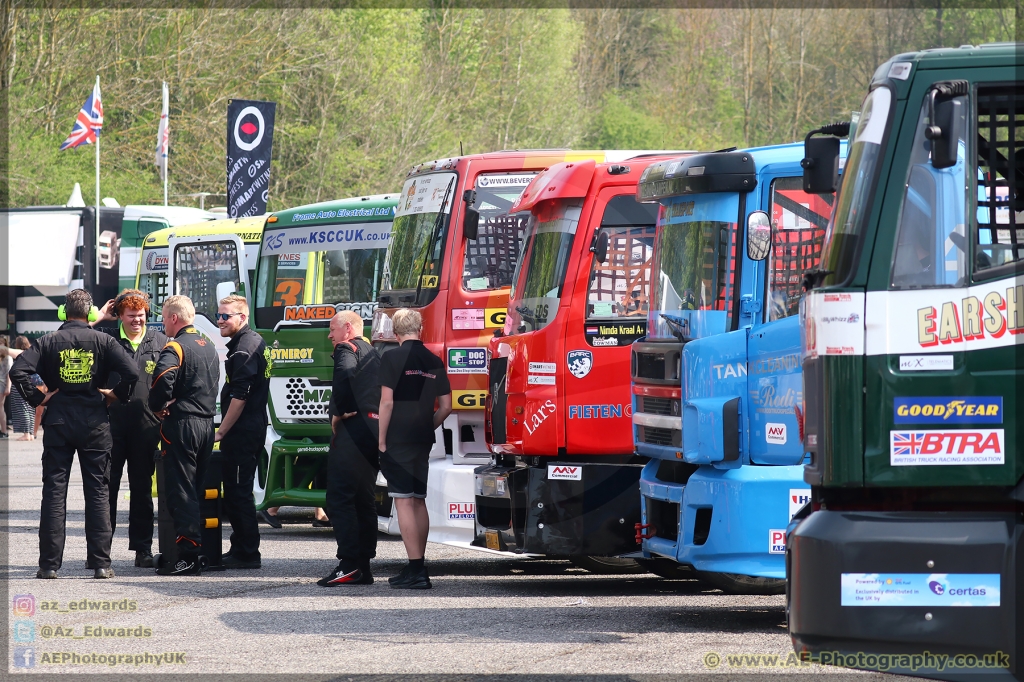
[729,171]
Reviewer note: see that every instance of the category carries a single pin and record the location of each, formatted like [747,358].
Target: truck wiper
[291,323]
[434,234]
[677,327]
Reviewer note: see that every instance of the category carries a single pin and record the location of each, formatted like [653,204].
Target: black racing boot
[345,574]
[416,579]
[229,560]
[144,558]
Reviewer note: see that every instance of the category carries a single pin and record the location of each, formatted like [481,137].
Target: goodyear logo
[960,410]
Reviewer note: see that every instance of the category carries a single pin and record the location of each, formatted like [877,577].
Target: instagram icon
[23,605]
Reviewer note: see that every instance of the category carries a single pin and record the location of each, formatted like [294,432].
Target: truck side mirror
[759,235]
[599,247]
[471,223]
[944,129]
[821,158]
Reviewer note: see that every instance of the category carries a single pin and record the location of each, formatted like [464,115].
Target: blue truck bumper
[722,520]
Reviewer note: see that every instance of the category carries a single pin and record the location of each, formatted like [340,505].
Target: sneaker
[402,575]
[229,560]
[49,574]
[182,567]
[268,518]
[100,573]
[339,576]
[416,580]
[144,559]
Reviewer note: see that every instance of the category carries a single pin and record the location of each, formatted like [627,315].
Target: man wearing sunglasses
[243,427]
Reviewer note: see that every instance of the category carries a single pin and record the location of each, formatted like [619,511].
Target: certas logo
[156,260]
[75,366]
[961,410]
[937,587]
[565,472]
[580,362]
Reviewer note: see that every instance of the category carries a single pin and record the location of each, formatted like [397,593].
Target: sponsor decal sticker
[730,369]
[798,497]
[951,448]
[565,472]
[605,341]
[776,541]
[926,363]
[920,589]
[467,361]
[775,433]
[623,334]
[287,356]
[476,318]
[469,400]
[542,367]
[540,380]
[289,260]
[580,362]
[156,261]
[599,411]
[461,510]
[539,417]
[324,312]
[961,410]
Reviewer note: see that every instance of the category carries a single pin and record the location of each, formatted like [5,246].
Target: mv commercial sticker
[565,472]
[920,589]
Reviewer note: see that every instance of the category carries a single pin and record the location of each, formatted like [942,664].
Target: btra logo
[564,473]
[776,541]
[775,433]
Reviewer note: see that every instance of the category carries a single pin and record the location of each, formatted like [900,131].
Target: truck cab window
[491,258]
[621,285]
[798,233]
[999,237]
[199,268]
[930,244]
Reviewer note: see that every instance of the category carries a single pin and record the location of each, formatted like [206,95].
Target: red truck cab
[564,479]
[454,248]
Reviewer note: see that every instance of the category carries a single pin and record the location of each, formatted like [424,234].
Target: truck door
[202,268]
[774,376]
[608,312]
[943,365]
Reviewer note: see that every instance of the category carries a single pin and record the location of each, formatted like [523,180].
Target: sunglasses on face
[225,316]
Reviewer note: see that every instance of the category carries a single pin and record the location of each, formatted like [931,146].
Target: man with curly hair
[133,426]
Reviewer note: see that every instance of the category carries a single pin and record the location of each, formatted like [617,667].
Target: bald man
[352,460]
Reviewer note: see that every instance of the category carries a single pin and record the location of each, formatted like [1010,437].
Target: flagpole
[96,243]
[167,148]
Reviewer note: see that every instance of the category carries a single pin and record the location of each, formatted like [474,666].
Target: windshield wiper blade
[434,234]
[678,328]
[291,323]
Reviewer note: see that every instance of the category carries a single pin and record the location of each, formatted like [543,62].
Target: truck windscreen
[492,257]
[302,283]
[417,242]
[695,266]
[842,237]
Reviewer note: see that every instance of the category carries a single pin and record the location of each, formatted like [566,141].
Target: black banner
[250,141]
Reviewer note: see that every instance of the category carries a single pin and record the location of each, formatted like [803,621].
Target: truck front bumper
[291,472]
[587,509]
[924,585]
[721,520]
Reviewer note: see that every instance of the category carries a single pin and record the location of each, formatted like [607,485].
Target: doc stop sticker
[467,361]
[920,589]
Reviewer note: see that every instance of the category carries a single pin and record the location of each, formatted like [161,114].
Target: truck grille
[666,406]
[655,436]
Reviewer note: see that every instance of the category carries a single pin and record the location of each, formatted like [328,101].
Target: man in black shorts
[411,378]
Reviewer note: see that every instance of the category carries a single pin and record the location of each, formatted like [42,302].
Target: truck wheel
[735,583]
[666,568]
[606,565]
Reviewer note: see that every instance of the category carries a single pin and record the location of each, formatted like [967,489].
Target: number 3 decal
[287,292]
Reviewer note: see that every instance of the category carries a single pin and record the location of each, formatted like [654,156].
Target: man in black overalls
[133,426]
[243,427]
[184,395]
[352,460]
[75,362]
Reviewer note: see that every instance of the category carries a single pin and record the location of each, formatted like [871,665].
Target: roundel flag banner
[250,140]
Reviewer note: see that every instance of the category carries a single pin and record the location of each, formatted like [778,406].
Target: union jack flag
[89,122]
[907,442]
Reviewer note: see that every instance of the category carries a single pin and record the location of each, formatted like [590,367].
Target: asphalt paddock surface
[487,617]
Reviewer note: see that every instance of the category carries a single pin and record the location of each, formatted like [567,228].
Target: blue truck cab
[717,380]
